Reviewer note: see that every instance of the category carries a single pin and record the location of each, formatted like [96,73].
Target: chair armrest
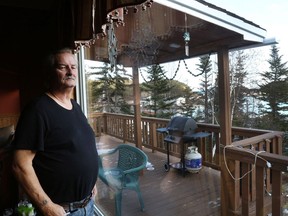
[107,152]
[113,177]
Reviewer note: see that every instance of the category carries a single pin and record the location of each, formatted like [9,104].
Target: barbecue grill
[180,130]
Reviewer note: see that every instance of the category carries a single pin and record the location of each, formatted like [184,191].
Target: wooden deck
[164,193]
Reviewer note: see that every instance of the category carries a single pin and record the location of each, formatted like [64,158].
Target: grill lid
[182,124]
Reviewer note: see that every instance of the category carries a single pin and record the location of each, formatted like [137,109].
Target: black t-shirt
[66,161]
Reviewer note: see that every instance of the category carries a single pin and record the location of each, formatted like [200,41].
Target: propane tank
[193,159]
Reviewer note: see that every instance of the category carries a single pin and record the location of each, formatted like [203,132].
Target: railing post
[97,125]
[260,191]
[153,133]
[245,189]
[276,192]
[125,131]
[105,123]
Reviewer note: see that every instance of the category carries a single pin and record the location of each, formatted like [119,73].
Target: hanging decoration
[101,23]
[186,37]
[116,19]
[144,44]
[178,67]
[112,46]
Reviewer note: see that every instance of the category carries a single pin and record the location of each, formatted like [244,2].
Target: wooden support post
[137,111]
[228,185]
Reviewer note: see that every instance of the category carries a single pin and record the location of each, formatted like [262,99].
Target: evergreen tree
[188,104]
[108,90]
[119,96]
[215,101]
[160,100]
[205,66]
[274,91]
[238,91]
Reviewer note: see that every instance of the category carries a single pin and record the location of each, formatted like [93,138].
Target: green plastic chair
[125,164]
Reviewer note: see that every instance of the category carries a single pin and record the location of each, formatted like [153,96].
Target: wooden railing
[122,127]
[252,190]
[260,168]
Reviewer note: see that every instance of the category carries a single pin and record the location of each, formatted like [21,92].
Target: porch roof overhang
[156,34]
[218,16]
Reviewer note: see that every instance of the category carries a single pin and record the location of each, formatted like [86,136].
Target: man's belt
[73,206]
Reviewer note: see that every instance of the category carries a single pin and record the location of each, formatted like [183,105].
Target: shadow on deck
[164,193]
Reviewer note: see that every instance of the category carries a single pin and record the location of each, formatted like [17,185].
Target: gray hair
[52,57]
[50,63]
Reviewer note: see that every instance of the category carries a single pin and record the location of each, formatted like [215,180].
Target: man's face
[66,70]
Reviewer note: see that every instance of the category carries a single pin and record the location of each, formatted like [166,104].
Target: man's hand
[28,180]
[52,209]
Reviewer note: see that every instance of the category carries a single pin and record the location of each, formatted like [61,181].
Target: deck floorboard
[164,193]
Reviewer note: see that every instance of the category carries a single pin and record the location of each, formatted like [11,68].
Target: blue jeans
[87,211]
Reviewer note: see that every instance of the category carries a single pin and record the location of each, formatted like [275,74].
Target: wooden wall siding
[8,184]
[6,120]
[9,101]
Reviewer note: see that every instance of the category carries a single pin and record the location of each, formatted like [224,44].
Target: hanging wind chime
[186,37]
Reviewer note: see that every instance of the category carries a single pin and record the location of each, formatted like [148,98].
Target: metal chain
[175,72]
[178,67]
